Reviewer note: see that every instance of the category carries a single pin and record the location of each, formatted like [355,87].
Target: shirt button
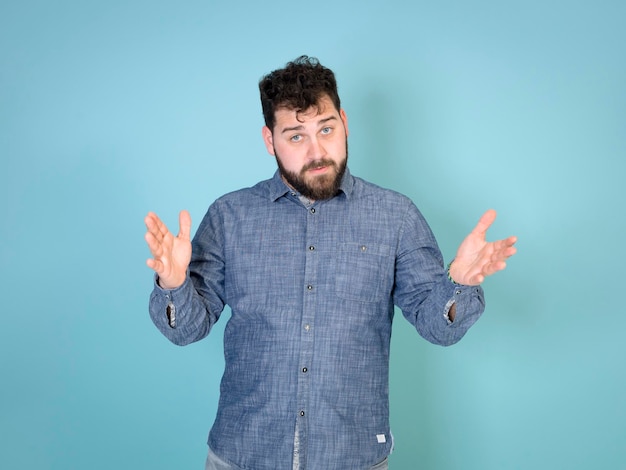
[302,413]
[312,248]
[312,210]
[309,287]
[307,327]
[458,292]
[305,370]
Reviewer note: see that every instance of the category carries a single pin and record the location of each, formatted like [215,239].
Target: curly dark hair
[298,86]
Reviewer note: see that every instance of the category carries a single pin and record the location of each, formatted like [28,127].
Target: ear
[344,119]
[268,139]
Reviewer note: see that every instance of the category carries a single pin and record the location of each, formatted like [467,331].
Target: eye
[296,138]
[326,130]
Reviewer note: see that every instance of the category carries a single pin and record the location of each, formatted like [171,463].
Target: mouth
[318,169]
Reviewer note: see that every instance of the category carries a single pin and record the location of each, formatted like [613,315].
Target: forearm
[446,312]
[193,318]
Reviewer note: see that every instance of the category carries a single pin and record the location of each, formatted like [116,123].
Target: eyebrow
[300,127]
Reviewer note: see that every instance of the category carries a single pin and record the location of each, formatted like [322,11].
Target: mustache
[318,164]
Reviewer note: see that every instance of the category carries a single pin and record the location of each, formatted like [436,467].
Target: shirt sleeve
[187,314]
[422,289]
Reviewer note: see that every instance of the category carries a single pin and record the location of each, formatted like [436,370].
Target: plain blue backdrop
[111,109]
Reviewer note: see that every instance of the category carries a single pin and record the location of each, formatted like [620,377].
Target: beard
[316,188]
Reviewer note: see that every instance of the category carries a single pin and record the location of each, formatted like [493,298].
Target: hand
[171,255]
[476,258]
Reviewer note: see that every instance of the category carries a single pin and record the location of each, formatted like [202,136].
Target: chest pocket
[365,272]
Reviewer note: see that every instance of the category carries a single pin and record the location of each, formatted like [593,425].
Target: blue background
[111,109]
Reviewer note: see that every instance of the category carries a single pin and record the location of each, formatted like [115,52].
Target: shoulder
[237,205]
[245,196]
[366,190]
[388,204]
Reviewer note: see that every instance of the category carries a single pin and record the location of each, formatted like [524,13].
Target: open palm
[477,258]
[171,254]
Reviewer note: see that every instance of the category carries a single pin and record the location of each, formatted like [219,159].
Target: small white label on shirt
[381,438]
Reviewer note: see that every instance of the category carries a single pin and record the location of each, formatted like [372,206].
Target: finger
[155,226]
[153,243]
[162,227]
[150,222]
[184,222]
[494,267]
[156,265]
[155,246]
[485,222]
[476,279]
[504,244]
[510,251]
[505,248]
[507,242]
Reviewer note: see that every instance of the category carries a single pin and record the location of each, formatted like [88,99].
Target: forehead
[323,109]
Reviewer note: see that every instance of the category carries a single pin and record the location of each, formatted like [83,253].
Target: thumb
[184,221]
[485,222]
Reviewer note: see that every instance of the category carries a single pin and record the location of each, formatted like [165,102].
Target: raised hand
[477,258]
[171,255]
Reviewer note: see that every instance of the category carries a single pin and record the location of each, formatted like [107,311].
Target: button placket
[307,320]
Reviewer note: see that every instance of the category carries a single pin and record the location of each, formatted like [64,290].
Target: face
[310,148]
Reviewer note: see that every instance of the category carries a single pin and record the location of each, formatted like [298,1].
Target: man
[311,263]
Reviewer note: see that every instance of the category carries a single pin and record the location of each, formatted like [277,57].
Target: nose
[316,149]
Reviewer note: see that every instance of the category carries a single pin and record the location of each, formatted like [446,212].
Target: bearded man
[311,263]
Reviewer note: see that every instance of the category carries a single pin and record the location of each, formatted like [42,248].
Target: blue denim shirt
[312,289]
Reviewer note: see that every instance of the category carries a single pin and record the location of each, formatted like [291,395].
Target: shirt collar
[278,188]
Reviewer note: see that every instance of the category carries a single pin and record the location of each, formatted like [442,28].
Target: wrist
[450,274]
[170,284]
